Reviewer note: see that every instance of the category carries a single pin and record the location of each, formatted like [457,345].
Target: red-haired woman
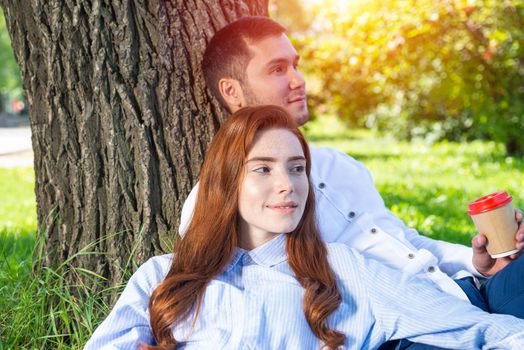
[252,273]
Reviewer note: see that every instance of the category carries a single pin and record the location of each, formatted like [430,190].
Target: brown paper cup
[499,226]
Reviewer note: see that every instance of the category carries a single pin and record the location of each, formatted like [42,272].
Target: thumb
[479,243]
[481,258]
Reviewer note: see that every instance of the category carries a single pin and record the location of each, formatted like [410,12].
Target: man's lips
[300,98]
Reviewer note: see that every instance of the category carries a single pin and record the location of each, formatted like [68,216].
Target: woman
[251,271]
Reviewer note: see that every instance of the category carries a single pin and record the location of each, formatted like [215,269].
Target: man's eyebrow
[275,61]
[279,60]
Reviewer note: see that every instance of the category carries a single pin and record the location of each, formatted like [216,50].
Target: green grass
[17,201]
[17,225]
[44,310]
[39,308]
[428,186]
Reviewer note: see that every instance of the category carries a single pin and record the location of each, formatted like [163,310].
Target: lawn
[428,186]
[17,225]
[39,310]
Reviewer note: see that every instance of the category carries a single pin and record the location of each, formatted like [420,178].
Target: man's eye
[278,69]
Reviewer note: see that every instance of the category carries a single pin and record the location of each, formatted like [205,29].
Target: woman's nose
[284,183]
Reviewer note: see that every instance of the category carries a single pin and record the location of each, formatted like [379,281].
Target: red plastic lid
[489,202]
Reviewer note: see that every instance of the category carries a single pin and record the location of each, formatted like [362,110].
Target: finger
[520,246]
[519,235]
[479,242]
[518,215]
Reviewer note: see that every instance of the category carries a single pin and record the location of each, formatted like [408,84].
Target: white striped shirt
[256,303]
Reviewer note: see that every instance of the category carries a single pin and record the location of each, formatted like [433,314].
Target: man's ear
[232,93]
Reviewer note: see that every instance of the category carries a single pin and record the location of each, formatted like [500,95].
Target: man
[251,62]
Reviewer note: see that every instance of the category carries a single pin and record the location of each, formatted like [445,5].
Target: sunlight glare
[337,3]
[340,3]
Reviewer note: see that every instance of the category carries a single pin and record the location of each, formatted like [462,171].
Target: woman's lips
[287,207]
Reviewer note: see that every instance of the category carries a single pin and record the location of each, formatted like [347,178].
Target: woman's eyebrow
[262,159]
[272,159]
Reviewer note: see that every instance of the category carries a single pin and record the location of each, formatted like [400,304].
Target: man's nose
[296,80]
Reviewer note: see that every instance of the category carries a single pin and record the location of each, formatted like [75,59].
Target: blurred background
[11,92]
[15,134]
[424,69]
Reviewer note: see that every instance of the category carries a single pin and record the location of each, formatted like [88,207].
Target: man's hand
[483,262]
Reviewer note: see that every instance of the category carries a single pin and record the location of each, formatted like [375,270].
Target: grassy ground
[38,310]
[427,186]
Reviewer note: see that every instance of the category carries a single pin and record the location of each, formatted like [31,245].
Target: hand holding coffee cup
[494,217]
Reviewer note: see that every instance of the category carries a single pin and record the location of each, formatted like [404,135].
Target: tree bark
[120,118]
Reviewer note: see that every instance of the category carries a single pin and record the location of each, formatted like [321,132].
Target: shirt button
[351,214]
[373,230]
[431,269]
[321,185]
[411,255]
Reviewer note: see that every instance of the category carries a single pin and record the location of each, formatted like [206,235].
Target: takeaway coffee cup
[494,217]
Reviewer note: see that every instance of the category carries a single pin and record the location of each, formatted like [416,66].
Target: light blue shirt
[256,303]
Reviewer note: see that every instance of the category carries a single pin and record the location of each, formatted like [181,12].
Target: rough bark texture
[120,118]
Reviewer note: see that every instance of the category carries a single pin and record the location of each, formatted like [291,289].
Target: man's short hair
[227,54]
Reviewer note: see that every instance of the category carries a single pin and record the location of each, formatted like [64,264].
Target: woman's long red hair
[212,236]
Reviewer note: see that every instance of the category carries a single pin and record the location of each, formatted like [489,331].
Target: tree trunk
[120,118]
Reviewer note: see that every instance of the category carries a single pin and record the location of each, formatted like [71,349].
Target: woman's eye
[298,169]
[262,170]
[278,69]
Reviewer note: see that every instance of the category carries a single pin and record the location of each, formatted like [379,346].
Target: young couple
[251,270]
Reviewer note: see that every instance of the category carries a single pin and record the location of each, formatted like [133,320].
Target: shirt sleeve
[452,257]
[410,307]
[127,325]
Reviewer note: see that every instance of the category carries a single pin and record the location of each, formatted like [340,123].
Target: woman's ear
[232,93]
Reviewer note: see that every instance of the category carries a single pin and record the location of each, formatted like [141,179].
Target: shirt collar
[237,256]
[268,254]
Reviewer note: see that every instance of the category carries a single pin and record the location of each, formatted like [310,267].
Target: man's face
[272,77]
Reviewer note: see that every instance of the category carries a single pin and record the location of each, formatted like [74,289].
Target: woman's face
[274,187]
